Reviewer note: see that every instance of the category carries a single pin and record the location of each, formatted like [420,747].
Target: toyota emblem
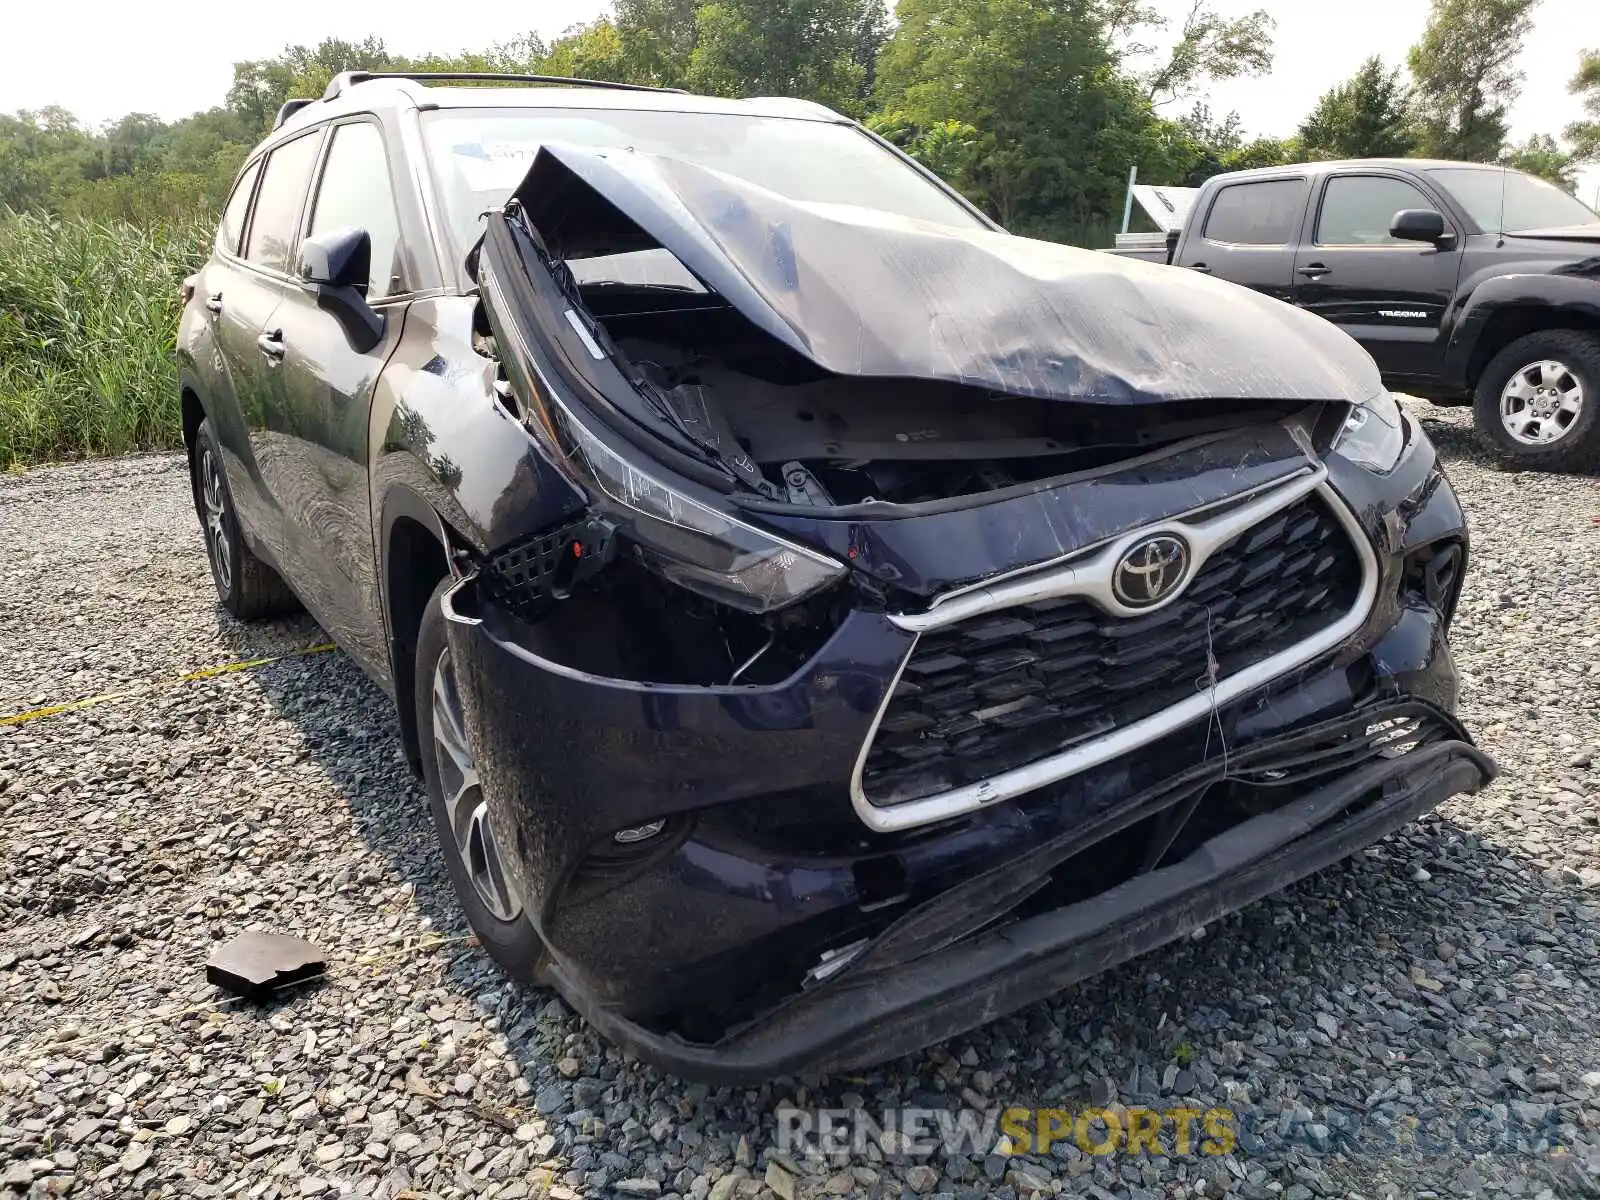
[1152,570]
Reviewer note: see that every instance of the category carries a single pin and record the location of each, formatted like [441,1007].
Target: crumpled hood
[863,292]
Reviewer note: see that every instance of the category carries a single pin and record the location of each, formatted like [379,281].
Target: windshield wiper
[693,413]
[695,419]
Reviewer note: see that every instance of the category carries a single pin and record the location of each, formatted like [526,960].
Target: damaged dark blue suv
[824,622]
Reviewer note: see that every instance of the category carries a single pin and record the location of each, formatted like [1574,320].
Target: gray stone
[134,1157]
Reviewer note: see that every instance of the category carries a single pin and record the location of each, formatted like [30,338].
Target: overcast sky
[101,60]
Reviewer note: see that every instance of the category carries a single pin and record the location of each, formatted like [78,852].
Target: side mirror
[336,266]
[1418,225]
[339,258]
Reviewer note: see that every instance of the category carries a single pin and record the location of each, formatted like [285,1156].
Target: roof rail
[288,109]
[345,79]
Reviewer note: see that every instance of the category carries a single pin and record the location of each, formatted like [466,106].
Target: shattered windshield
[480,156]
[1526,202]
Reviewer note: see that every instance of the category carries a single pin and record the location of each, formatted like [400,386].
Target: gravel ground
[1420,1020]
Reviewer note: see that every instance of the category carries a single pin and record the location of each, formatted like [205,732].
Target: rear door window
[355,192]
[275,226]
[232,227]
[1256,214]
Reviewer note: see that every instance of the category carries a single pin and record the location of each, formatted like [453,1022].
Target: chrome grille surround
[1089,574]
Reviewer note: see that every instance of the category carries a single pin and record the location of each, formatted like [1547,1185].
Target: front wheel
[473,852]
[1538,400]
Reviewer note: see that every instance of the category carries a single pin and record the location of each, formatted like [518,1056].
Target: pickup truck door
[1390,295]
[328,387]
[1247,234]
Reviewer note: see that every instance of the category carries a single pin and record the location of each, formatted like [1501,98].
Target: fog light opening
[635,834]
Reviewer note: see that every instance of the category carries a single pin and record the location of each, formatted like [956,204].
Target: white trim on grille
[1089,575]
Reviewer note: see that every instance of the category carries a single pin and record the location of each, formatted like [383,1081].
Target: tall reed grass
[88,312]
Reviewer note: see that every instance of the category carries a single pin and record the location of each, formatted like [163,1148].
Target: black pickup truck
[1469,284]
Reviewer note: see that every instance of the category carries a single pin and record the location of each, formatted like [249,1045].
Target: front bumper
[764,866]
[869,1015]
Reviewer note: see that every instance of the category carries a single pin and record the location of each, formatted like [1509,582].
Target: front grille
[1003,689]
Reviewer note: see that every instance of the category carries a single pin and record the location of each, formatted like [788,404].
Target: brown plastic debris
[256,964]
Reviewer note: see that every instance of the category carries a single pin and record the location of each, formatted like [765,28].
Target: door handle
[271,344]
[1201,267]
[214,302]
[1315,270]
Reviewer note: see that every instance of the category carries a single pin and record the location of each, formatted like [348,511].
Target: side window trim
[317,131]
[315,193]
[1418,186]
[1294,234]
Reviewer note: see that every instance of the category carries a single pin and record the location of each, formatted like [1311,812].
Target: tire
[492,907]
[247,587]
[1538,401]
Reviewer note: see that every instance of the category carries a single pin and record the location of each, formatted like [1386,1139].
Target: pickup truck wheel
[1538,401]
[247,587]
[473,854]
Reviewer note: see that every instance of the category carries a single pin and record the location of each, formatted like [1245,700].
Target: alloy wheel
[1541,403]
[465,806]
[215,500]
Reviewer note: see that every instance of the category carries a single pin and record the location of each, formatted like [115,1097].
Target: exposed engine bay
[753,364]
[824,357]
[819,439]
[823,439]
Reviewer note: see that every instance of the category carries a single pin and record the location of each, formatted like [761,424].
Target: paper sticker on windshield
[493,166]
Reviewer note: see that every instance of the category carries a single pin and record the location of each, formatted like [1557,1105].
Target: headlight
[700,548]
[1374,435]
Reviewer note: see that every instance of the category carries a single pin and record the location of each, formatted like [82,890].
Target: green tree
[1466,76]
[806,48]
[949,149]
[658,38]
[1543,156]
[260,86]
[1055,120]
[130,145]
[1209,46]
[1210,141]
[592,51]
[1263,152]
[1367,116]
[1585,134]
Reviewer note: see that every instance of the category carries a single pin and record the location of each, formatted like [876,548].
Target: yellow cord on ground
[51,710]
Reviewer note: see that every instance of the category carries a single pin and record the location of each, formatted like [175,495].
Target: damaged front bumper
[763,926]
[882,1005]
[811,774]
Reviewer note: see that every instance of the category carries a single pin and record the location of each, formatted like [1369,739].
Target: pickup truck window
[1527,203]
[1256,214]
[1357,210]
